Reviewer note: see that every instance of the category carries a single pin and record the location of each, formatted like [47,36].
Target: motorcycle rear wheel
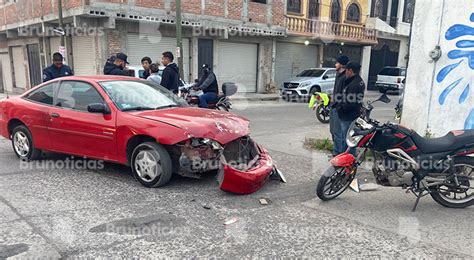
[333,183]
[458,197]
[322,114]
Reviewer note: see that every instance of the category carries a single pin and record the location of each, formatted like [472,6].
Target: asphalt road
[48,212]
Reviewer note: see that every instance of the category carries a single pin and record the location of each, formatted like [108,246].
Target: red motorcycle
[441,167]
[221,103]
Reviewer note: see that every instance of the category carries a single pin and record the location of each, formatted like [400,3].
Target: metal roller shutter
[238,64]
[292,58]
[137,48]
[19,67]
[83,56]
[54,44]
[6,72]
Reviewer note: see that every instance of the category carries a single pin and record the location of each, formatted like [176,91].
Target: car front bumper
[246,181]
[301,92]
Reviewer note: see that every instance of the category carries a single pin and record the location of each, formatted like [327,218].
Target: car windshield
[311,73]
[392,72]
[140,95]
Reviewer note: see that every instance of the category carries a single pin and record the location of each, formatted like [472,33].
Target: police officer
[57,69]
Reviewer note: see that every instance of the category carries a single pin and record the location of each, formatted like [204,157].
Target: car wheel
[151,165]
[314,90]
[22,142]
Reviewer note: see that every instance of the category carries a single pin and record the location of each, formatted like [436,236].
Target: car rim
[22,144]
[146,166]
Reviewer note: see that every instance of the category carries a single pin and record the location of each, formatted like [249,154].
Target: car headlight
[305,84]
[196,142]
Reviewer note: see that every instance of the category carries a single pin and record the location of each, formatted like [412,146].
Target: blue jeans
[344,129]
[336,132]
[206,98]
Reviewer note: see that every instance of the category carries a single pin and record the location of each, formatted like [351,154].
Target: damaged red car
[136,123]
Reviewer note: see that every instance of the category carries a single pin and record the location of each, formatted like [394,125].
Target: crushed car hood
[222,127]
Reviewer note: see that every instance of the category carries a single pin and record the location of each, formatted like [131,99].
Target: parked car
[308,82]
[136,123]
[391,79]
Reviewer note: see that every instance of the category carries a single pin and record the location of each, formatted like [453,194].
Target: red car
[136,123]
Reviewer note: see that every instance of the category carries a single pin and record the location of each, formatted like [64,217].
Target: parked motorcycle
[221,103]
[441,167]
[320,104]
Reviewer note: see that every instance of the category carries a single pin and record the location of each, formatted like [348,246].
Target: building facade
[236,37]
[392,21]
[320,30]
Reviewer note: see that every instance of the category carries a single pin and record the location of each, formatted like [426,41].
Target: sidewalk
[254,97]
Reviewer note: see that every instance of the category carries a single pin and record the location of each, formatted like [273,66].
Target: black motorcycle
[221,103]
[441,167]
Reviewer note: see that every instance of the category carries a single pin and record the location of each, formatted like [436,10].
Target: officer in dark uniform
[57,69]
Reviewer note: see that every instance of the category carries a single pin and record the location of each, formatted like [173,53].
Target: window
[311,73]
[313,12]
[335,11]
[331,74]
[379,9]
[390,71]
[259,1]
[294,6]
[77,95]
[353,13]
[409,11]
[44,94]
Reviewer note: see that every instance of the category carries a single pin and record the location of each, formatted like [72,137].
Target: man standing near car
[349,107]
[57,69]
[208,84]
[170,77]
[335,123]
[146,62]
[116,65]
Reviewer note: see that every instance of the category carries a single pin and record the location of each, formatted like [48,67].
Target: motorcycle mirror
[384,98]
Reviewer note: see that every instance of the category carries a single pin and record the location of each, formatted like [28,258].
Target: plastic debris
[355,185]
[368,187]
[231,221]
[263,201]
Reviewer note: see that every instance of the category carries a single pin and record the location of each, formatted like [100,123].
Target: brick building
[236,36]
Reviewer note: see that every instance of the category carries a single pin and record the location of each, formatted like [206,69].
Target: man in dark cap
[208,84]
[116,65]
[57,69]
[335,124]
[352,95]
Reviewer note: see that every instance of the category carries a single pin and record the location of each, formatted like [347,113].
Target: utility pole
[61,26]
[179,38]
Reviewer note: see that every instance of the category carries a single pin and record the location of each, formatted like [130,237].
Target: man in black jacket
[170,77]
[208,84]
[352,95]
[335,123]
[116,65]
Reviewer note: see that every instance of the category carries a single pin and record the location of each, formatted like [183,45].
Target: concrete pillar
[194,59]
[366,52]
[389,11]
[401,9]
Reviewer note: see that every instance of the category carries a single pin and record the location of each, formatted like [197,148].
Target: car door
[74,130]
[35,113]
[329,79]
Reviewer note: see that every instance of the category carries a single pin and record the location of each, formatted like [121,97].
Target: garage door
[19,67]
[292,58]
[83,53]
[238,63]
[6,72]
[137,48]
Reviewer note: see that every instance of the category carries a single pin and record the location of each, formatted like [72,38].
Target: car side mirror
[98,108]
[384,98]
[325,77]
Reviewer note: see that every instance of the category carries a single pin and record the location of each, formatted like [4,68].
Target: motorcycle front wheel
[334,182]
[451,195]
[322,114]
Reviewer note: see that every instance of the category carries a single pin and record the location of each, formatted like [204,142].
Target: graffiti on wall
[462,55]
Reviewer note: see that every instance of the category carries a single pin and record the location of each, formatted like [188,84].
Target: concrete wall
[438,96]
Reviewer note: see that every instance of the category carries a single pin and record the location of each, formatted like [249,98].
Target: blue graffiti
[470,121]
[465,52]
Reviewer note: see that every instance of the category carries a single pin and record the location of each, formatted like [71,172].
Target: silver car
[308,82]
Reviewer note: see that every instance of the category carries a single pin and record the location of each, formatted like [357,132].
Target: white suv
[391,78]
[305,84]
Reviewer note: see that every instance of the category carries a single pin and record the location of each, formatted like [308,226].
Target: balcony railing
[330,31]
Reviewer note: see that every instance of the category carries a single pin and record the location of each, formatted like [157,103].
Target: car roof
[320,69]
[98,78]
[390,67]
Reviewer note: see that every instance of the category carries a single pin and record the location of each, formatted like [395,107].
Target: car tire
[151,165]
[314,90]
[23,145]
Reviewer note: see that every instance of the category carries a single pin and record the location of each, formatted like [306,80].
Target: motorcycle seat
[453,141]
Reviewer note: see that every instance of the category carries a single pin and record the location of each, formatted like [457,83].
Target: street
[106,213]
